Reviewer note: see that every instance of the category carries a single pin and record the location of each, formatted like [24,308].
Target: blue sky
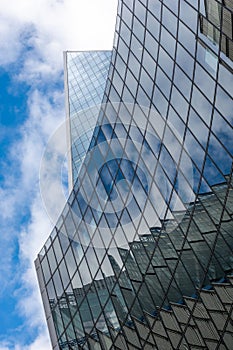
[34,35]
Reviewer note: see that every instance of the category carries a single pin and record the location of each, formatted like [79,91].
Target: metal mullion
[58,301]
[227,324]
[217,232]
[85,298]
[107,288]
[185,236]
[157,56]
[137,293]
[170,95]
[222,145]
[102,313]
[203,167]
[149,265]
[194,306]
[116,227]
[77,310]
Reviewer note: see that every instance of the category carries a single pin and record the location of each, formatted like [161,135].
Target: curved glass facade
[141,257]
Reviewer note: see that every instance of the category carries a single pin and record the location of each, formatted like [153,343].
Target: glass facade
[141,256]
[85,79]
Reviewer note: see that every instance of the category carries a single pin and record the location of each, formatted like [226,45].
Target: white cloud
[3,347]
[22,190]
[41,342]
[34,35]
[47,28]
[11,52]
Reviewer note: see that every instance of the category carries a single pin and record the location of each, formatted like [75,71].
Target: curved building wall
[141,257]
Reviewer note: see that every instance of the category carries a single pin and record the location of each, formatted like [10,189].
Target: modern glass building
[141,256]
[85,79]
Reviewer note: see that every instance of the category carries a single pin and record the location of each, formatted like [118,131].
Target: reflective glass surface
[86,74]
[142,255]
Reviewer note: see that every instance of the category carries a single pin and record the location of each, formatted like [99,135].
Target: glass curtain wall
[141,257]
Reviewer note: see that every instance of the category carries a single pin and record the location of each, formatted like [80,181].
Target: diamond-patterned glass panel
[144,259]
